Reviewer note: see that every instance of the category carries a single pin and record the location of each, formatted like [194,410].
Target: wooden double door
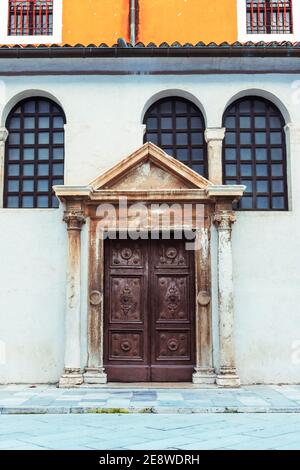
[149,311]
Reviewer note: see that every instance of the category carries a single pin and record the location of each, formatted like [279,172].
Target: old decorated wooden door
[149,311]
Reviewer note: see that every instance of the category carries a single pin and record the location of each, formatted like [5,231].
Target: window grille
[34,154]
[269,17]
[30,18]
[254,153]
[177,126]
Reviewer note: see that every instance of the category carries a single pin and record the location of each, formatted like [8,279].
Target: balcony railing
[30,17]
[269,17]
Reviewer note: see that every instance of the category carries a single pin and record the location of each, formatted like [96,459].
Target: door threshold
[149,385]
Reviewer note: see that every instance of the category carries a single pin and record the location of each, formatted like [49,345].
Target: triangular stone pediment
[148,176]
[149,168]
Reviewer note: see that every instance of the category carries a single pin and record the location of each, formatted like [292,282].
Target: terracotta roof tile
[122,44]
[123,49]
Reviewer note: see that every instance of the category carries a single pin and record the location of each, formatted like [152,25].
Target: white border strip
[55,38]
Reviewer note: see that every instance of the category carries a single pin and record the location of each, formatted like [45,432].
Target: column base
[95,376]
[228,379]
[204,376]
[71,378]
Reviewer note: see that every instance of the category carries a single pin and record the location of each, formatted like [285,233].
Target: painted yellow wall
[188,21]
[95,21]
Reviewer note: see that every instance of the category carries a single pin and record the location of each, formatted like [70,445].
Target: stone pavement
[254,431]
[16,399]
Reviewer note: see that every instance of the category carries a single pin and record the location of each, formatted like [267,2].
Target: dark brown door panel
[149,311]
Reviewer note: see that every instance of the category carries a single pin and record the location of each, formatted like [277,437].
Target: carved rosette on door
[172,298]
[149,311]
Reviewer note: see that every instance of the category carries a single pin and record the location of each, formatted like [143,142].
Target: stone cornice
[73,191]
[172,195]
[211,193]
[222,191]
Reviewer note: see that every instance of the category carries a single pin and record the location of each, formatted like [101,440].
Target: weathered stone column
[204,371]
[72,374]
[94,372]
[3,137]
[227,376]
[214,137]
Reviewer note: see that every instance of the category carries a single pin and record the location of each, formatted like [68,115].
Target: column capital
[214,137]
[214,134]
[224,220]
[291,126]
[293,130]
[74,219]
[3,134]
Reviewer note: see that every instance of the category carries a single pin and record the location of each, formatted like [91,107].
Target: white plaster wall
[32,293]
[266,272]
[104,124]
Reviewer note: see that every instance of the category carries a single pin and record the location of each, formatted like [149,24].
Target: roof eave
[261,49]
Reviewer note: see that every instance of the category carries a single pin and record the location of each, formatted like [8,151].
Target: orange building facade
[156,21]
[104,21]
[147,21]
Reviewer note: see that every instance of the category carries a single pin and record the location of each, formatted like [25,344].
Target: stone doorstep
[145,387]
[149,386]
[27,410]
[145,399]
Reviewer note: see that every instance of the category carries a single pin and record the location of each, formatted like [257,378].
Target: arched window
[254,153]
[177,126]
[34,154]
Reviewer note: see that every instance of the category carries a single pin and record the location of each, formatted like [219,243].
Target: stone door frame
[204,371]
[81,202]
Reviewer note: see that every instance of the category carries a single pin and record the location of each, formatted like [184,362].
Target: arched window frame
[277,183]
[184,150]
[26,175]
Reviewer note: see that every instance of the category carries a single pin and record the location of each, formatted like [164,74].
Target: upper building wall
[187,21]
[95,21]
[156,21]
[104,21]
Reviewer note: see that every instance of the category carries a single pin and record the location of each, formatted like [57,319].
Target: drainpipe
[133,22]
